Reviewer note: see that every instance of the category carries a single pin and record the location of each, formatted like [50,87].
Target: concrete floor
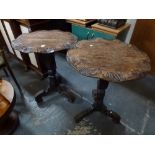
[133,100]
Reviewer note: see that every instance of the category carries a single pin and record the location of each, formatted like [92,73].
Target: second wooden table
[109,61]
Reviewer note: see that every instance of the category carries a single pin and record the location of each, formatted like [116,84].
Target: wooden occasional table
[46,43]
[8,118]
[109,61]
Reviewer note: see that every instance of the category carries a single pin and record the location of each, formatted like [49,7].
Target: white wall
[31,55]
[6,38]
[132,22]
[11,36]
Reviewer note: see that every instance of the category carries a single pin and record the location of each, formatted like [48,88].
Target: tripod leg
[99,93]
[49,65]
[98,96]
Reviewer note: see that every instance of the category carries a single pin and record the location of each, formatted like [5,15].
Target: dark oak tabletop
[6,96]
[109,60]
[44,41]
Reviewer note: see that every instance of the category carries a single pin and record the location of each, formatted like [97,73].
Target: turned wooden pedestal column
[109,61]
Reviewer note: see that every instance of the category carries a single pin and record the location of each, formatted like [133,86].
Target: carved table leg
[50,65]
[98,105]
[53,80]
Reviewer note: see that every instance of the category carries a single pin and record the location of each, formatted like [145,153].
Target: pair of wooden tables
[109,61]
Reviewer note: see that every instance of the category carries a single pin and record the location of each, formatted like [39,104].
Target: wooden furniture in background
[44,24]
[112,23]
[108,30]
[94,30]
[144,38]
[8,118]
[81,22]
[109,61]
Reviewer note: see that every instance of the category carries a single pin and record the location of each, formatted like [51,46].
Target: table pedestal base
[54,81]
[98,105]
[60,88]
[10,124]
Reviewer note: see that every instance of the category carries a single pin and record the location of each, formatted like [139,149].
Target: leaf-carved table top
[44,41]
[109,60]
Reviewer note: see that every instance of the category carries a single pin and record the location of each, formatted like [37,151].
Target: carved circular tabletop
[109,60]
[6,96]
[44,41]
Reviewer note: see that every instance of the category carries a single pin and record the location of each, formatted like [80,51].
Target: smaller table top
[44,41]
[109,60]
[6,96]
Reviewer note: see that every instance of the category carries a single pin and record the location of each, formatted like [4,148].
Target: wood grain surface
[44,41]
[109,60]
[6,96]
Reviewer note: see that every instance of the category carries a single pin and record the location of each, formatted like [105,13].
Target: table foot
[115,117]
[60,88]
[98,96]
[9,126]
[42,93]
[39,96]
[54,80]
